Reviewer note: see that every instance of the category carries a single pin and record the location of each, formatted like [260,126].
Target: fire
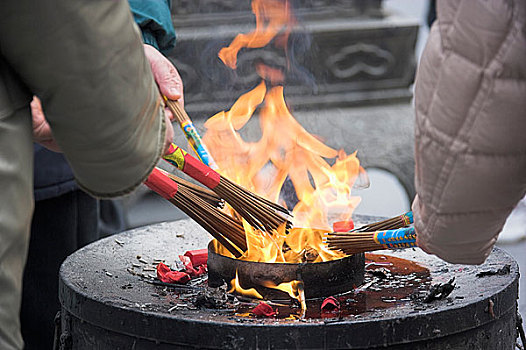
[236,287]
[294,289]
[274,18]
[322,176]
[284,149]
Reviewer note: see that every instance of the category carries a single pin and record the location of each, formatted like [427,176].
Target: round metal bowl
[319,279]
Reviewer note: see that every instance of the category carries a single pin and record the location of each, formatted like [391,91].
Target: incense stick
[259,212]
[191,133]
[202,192]
[389,224]
[228,231]
[360,242]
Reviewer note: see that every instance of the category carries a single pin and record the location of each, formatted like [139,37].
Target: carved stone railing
[344,53]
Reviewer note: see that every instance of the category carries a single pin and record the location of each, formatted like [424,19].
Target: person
[87,63]
[470,149]
[65,218]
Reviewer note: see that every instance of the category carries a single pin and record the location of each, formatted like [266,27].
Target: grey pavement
[518,251]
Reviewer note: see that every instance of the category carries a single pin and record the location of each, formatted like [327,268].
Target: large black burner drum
[106,306]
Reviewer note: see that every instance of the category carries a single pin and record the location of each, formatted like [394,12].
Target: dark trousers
[60,226]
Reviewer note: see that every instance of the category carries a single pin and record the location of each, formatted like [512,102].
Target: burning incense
[228,231]
[259,212]
[389,224]
[360,242]
[191,133]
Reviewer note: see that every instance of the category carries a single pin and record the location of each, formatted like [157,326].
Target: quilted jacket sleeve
[470,99]
[85,60]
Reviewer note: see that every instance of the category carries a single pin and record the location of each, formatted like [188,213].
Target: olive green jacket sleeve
[85,60]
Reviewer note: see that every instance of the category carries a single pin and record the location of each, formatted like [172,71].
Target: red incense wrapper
[198,257]
[263,309]
[343,226]
[199,171]
[161,184]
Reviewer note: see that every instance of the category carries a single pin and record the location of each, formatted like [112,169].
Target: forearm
[469,144]
[86,62]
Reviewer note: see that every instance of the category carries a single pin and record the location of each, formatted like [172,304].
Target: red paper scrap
[165,274]
[330,304]
[186,262]
[343,226]
[198,257]
[263,309]
[196,273]
[189,267]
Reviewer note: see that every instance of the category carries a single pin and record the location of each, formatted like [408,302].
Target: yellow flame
[294,289]
[236,287]
[284,149]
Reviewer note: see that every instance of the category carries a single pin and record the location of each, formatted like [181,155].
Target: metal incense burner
[319,279]
[111,300]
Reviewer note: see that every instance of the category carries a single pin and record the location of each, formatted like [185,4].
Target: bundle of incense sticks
[205,194]
[191,133]
[227,230]
[259,212]
[389,224]
[360,242]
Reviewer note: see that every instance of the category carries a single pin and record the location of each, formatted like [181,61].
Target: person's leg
[111,217]
[60,226]
[16,207]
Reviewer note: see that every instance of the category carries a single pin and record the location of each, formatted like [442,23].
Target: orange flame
[294,289]
[236,287]
[284,149]
[272,17]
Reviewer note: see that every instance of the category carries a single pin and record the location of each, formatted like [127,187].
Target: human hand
[41,130]
[170,84]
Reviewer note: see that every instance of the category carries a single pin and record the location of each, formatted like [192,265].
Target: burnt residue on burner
[504,270]
[440,291]
[214,298]
[389,282]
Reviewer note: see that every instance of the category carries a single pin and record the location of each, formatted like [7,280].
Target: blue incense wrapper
[400,238]
[197,144]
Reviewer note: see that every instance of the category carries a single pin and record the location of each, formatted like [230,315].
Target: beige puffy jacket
[470,98]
